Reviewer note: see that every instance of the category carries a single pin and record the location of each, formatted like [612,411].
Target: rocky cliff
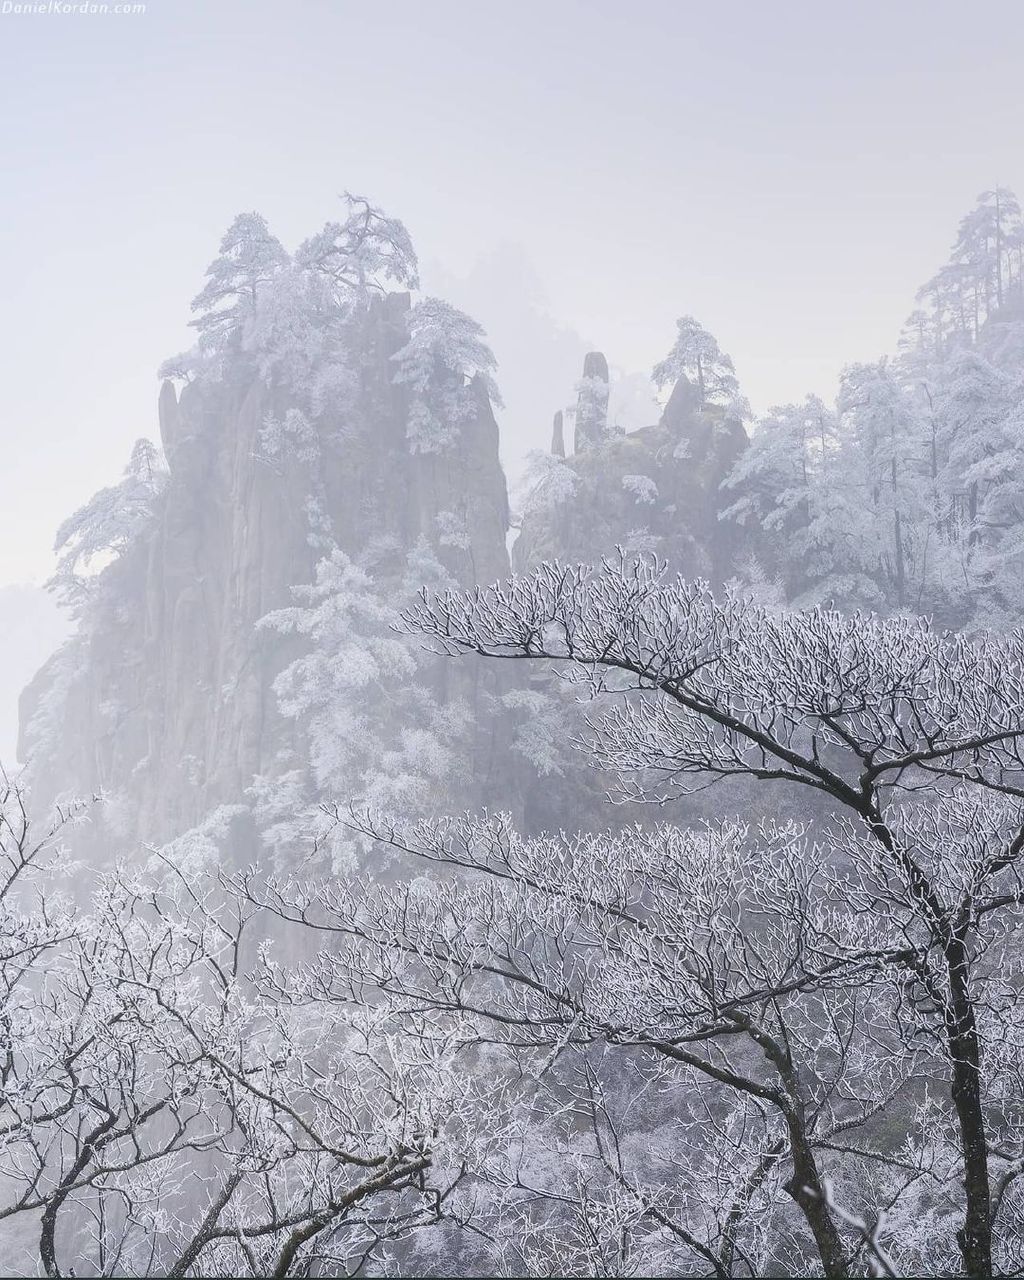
[165,700]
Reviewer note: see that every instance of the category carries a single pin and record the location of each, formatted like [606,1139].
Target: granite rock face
[164,699]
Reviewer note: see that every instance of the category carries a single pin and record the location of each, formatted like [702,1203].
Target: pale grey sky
[787,172]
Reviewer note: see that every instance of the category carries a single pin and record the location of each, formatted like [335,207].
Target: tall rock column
[592,403]
[558,436]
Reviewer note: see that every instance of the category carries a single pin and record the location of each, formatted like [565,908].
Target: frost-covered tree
[548,482]
[250,257]
[913,740]
[885,430]
[363,252]
[641,488]
[981,243]
[353,691]
[793,484]
[446,366]
[793,448]
[973,400]
[696,355]
[608,965]
[109,523]
[168,1107]
[981,441]
[982,276]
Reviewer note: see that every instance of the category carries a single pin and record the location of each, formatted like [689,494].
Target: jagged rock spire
[558,437]
[169,422]
[592,403]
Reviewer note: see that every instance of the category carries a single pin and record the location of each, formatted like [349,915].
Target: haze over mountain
[512,579]
[791,197]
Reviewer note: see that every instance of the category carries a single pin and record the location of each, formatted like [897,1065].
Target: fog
[511,664]
[789,178]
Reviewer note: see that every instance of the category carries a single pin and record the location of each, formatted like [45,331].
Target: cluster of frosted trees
[984,274]
[907,493]
[292,319]
[702,1050]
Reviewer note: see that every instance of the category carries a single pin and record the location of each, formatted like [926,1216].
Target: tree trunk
[739,1206]
[898,539]
[807,1191]
[975,1236]
[804,1184]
